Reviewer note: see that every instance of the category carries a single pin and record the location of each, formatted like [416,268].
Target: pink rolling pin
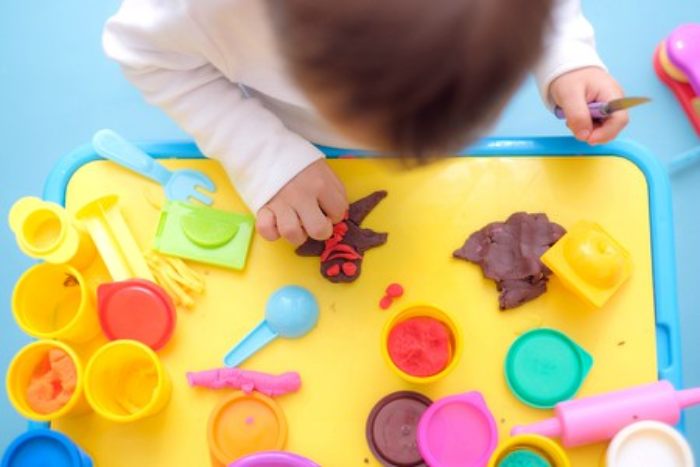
[247,381]
[599,418]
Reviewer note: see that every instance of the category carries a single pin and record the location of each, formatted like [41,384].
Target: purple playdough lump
[509,253]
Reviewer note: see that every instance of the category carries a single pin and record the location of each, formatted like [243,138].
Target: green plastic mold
[204,234]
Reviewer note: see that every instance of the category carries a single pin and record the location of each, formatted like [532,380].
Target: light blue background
[57,89]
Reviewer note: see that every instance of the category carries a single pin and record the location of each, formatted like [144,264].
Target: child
[253,81]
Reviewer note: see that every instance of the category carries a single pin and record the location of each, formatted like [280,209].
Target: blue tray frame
[660,206]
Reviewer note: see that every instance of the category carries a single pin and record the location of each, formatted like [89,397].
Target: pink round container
[458,431]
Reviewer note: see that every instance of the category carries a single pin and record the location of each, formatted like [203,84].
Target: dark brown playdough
[509,253]
[392,428]
[342,254]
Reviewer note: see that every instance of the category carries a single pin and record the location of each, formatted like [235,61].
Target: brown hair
[426,74]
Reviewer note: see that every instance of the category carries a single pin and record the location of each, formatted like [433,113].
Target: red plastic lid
[136,309]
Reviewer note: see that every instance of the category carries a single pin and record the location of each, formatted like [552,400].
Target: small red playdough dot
[350,269]
[420,346]
[333,270]
[385,302]
[394,290]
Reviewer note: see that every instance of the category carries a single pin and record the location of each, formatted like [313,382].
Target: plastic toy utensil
[458,431]
[274,459]
[180,185]
[117,246]
[598,418]
[603,110]
[683,49]
[291,312]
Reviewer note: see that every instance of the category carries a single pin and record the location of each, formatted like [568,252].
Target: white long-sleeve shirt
[213,66]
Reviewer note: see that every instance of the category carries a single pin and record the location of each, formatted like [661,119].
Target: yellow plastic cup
[45,231]
[545,447]
[429,312]
[125,381]
[52,301]
[19,374]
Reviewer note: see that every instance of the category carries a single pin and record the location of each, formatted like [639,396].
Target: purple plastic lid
[274,459]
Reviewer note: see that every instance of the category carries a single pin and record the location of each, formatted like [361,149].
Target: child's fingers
[288,224]
[610,128]
[266,224]
[315,223]
[573,102]
[578,117]
[616,122]
[334,204]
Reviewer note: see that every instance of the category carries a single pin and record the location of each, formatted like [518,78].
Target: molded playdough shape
[590,263]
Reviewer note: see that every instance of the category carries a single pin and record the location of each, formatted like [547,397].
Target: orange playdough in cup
[53,382]
[420,346]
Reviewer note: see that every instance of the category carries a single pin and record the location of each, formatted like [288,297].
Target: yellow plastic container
[53,301]
[243,424]
[427,311]
[45,231]
[589,262]
[125,381]
[545,447]
[115,242]
[19,374]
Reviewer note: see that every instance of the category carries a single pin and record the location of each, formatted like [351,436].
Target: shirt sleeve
[164,54]
[569,45]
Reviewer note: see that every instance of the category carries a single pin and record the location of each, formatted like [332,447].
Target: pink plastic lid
[458,431]
[136,309]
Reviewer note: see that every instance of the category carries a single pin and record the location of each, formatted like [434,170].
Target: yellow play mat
[429,212]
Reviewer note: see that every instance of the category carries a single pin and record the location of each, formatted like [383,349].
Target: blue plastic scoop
[179,185]
[291,312]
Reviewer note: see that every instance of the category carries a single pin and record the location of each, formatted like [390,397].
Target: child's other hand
[573,91]
[308,205]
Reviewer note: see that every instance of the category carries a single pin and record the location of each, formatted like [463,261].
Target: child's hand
[308,205]
[573,91]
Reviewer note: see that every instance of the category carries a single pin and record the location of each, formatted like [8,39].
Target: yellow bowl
[125,381]
[539,444]
[428,311]
[22,368]
[52,301]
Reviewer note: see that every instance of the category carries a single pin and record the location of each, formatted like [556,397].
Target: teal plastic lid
[545,367]
[524,458]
